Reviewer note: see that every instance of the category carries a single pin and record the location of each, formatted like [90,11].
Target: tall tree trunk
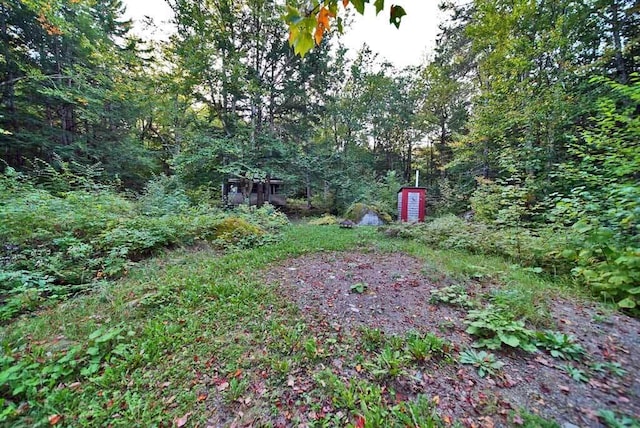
[308,186]
[8,98]
[617,43]
[407,170]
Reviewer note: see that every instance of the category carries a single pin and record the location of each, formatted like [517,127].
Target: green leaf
[358,287]
[303,43]
[397,12]
[379,4]
[96,334]
[509,339]
[293,16]
[359,5]
[471,330]
[627,303]
[635,290]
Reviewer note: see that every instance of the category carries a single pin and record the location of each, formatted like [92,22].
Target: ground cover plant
[60,238]
[274,335]
[547,250]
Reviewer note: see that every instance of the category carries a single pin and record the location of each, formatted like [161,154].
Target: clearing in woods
[335,327]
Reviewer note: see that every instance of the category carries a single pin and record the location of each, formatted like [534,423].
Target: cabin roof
[255,180]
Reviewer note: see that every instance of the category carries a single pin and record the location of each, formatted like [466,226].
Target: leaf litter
[395,299]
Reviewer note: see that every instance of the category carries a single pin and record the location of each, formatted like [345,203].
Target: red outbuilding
[411,204]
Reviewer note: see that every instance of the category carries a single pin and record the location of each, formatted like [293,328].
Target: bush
[529,248]
[592,254]
[603,204]
[267,217]
[325,220]
[163,195]
[447,197]
[509,202]
[235,230]
[56,244]
[324,202]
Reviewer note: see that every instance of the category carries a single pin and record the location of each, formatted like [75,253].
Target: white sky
[405,46]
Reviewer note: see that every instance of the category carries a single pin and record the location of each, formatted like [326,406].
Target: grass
[203,336]
[526,293]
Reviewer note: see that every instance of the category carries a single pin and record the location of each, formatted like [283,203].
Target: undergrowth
[586,253]
[197,336]
[58,242]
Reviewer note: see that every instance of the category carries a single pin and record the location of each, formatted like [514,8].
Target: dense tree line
[70,86]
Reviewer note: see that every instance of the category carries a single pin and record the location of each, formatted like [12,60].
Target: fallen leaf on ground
[54,419]
[487,422]
[180,422]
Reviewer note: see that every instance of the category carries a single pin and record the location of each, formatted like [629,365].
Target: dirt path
[396,300]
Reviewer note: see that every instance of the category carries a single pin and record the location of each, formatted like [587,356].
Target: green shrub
[324,202]
[235,229]
[36,216]
[613,273]
[56,244]
[504,202]
[35,375]
[325,220]
[603,203]
[597,255]
[267,217]
[538,249]
[163,195]
[404,230]
[299,206]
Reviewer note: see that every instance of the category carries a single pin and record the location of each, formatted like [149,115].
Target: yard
[328,327]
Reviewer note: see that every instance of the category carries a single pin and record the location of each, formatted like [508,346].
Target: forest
[116,154]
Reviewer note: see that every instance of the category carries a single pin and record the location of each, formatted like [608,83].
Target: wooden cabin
[237,191]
